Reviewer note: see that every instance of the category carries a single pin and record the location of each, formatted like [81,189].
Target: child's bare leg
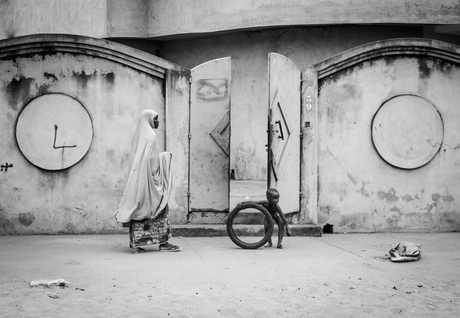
[280,232]
[285,222]
[269,243]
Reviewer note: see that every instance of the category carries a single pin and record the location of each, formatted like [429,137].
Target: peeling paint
[363,191]
[446,198]
[353,221]
[407,198]
[109,77]
[6,226]
[69,228]
[18,92]
[424,68]
[52,179]
[451,218]
[26,219]
[395,209]
[393,222]
[389,196]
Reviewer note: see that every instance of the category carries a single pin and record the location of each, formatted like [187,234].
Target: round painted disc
[407,131]
[54,131]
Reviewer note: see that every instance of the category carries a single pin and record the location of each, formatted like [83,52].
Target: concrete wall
[160,19]
[114,84]
[383,168]
[249,94]
[203,16]
[24,17]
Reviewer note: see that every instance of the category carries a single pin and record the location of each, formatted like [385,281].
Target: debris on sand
[47,283]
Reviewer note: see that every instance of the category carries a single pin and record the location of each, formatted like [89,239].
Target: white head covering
[149,183]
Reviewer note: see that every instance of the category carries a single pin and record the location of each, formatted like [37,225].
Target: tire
[231,232]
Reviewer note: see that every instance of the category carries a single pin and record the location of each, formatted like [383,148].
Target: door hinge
[189,194]
[189,136]
[190,80]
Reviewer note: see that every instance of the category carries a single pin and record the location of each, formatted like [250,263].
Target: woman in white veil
[144,205]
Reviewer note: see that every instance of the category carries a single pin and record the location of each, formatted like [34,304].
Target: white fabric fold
[148,187]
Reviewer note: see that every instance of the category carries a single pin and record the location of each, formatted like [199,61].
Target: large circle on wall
[54,131]
[407,131]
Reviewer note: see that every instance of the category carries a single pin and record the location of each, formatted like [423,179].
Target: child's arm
[283,218]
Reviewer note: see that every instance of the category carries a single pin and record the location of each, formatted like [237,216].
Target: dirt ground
[336,275]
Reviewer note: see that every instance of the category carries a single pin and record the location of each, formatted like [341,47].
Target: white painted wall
[83,198]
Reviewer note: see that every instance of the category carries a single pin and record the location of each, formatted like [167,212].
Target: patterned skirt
[150,231]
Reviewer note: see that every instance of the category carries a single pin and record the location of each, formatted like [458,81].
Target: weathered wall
[372,176]
[249,94]
[203,16]
[159,19]
[24,17]
[82,198]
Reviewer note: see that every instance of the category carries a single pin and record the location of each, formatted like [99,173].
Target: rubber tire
[231,232]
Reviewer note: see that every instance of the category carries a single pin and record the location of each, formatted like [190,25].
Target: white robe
[149,183]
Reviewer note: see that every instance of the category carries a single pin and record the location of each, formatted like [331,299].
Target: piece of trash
[47,283]
[53,295]
[405,252]
[395,288]
[78,288]
[420,286]
[247,198]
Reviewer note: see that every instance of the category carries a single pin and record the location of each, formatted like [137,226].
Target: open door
[209,184]
[284,131]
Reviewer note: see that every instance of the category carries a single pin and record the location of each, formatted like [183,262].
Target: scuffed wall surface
[357,189]
[83,198]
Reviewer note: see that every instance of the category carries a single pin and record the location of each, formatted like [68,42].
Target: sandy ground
[337,275]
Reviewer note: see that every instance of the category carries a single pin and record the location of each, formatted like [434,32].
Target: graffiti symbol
[55,137]
[5,167]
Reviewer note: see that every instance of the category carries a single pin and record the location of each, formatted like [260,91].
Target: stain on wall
[26,219]
[17,92]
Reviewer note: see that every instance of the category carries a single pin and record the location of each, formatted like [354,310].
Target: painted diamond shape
[281,130]
[217,133]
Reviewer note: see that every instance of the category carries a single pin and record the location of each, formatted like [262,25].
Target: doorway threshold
[246,190]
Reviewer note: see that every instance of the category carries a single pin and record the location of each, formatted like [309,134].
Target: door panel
[210,136]
[284,131]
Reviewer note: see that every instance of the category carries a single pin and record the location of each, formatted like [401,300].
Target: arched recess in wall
[65,43]
[342,95]
[113,83]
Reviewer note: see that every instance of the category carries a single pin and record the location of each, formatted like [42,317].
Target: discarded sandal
[136,250]
[169,248]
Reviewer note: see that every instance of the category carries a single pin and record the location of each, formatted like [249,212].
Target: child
[272,206]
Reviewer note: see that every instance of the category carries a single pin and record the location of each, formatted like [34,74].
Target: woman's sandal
[169,247]
[136,250]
